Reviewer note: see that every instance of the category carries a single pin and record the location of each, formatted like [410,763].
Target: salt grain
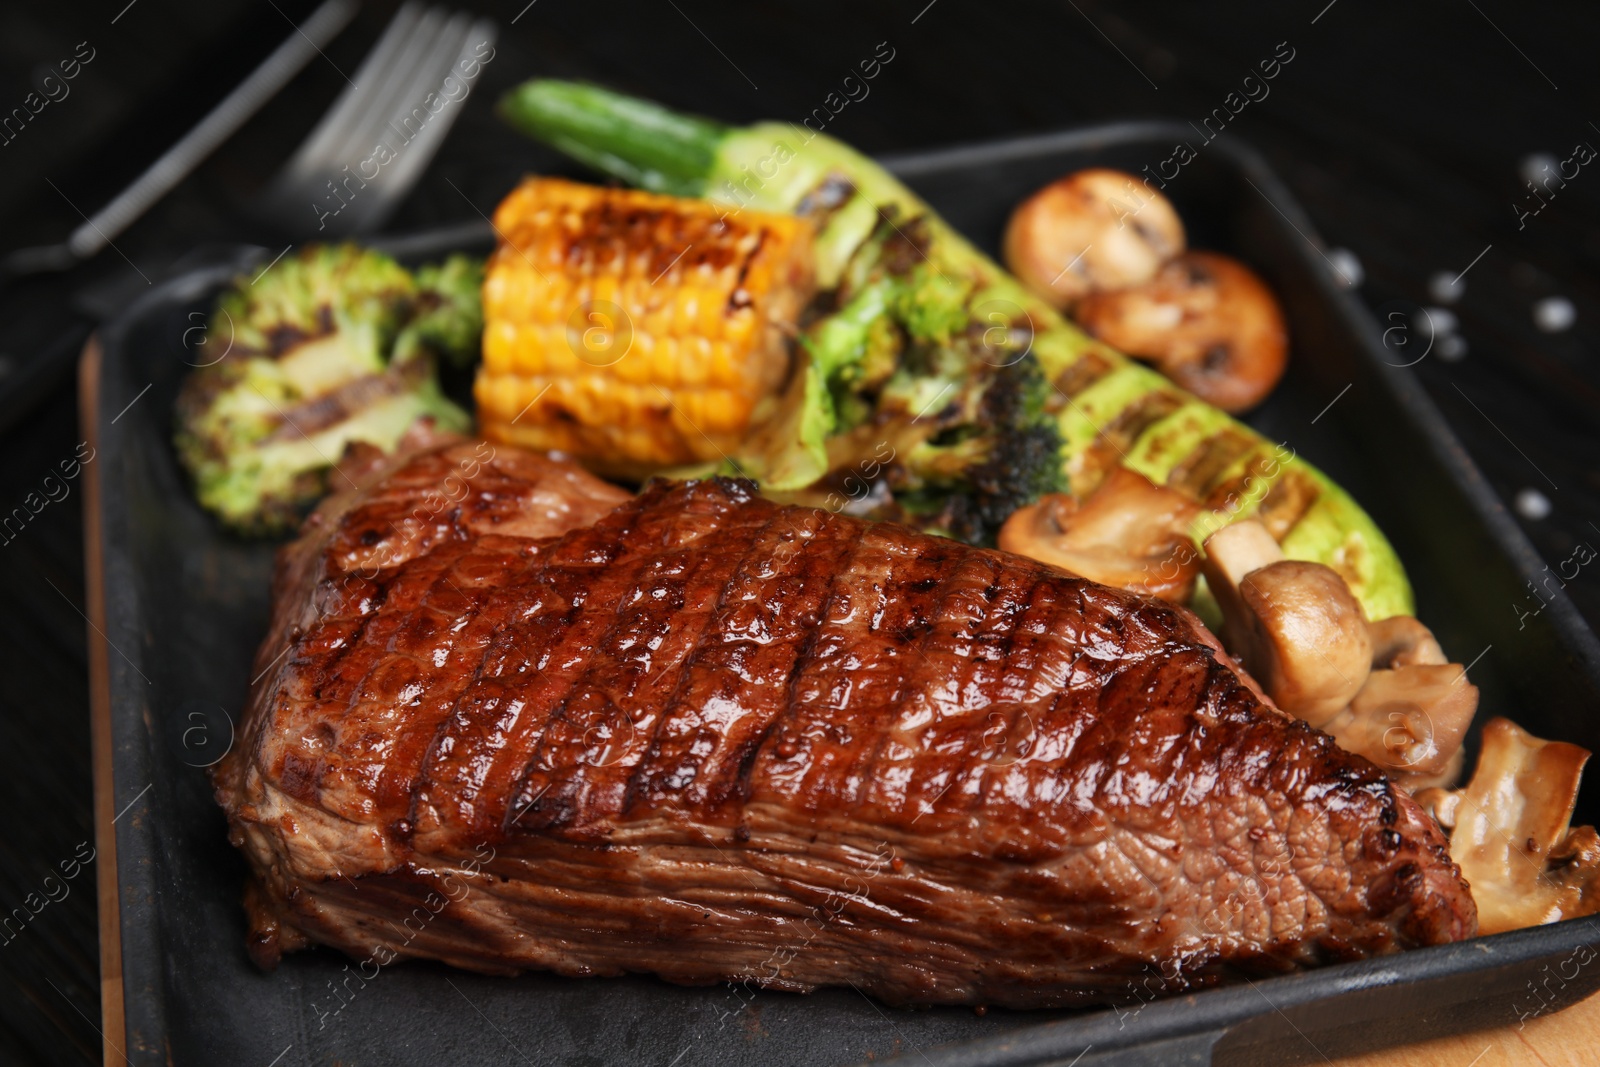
[1532,504]
[1554,314]
[1442,320]
[1346,267]
[1446,287]
[1536,165]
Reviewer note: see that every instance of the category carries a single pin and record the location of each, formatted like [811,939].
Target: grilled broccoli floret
[917,366]
[966,481]
[334,346]
[449,310]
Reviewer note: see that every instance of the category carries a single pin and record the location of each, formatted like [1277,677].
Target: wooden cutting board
[1569,1038]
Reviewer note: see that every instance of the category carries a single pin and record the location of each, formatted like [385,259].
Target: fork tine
[405,170]
[311,156]
[423,75]
[419,49]
[415,148]
[397,83]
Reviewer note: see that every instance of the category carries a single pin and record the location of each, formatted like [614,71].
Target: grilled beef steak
[534,723]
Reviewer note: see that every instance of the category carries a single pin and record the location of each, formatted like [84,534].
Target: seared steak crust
[710,737]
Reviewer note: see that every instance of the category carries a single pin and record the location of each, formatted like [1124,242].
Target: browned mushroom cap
[1402,641]
[1410,720]
[1308,642]
[1095,229]
[1512,835]
[1412,714]
[1130,533]
[1206,321]
[1295,625]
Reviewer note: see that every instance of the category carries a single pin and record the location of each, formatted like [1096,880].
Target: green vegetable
[963,411]
[1061,408]
[329,348]
[448,311]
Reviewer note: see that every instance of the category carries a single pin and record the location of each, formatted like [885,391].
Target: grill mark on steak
[1018,682]
[826,728]
[334,692]
[552,788]
[787,737]
[951,727]
[780,637]
[971,732]
[720,678]
[683,644]
[489,631]
[882,779]
[501,716]
[615,791]
[814,695]
[482,624]
[782,724]
[692,641]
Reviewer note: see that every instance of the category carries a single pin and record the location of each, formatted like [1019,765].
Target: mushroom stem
[1383,690]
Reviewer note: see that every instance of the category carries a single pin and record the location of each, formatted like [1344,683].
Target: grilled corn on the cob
[633,331]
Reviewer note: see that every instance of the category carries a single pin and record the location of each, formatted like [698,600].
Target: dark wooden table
[1403,128]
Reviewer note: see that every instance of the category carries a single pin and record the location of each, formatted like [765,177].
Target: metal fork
[359,162]
[421,52]
[221,122]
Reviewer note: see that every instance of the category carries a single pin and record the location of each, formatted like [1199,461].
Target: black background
[1402,128]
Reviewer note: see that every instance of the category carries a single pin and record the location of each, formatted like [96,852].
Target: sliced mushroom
[1095,229]
[1206,321]
[1412,714]
[1410,721]
[1511,831]
[1402,641]
[1295,625]
[1443,779]
[1129,533]
[1382,690]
